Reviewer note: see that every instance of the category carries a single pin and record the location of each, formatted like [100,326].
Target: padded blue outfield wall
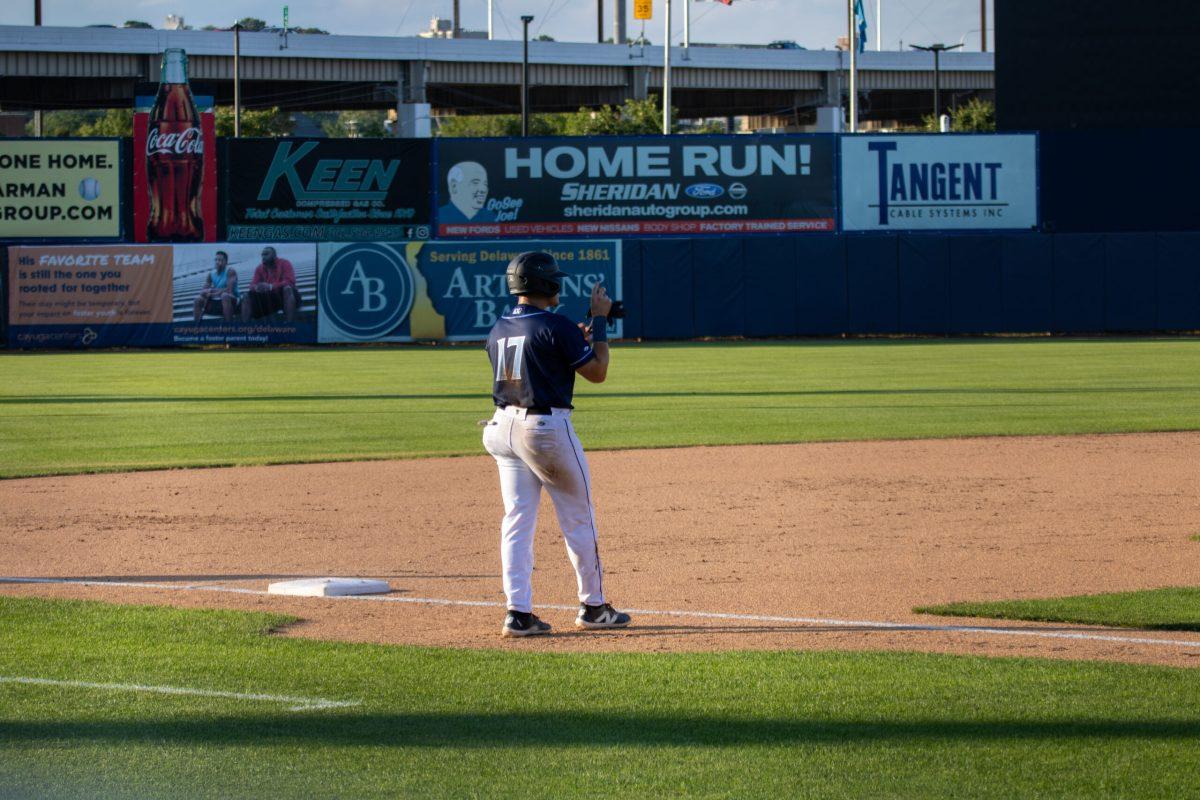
[935,284]
[912,283]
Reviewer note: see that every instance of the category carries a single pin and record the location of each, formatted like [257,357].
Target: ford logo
[704,191]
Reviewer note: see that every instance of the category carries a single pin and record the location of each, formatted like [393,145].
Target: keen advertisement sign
[634,185]
[379,292]
[60,189]
[328,189]
[939,182]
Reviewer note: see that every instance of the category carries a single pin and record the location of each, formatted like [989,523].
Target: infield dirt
[847,531]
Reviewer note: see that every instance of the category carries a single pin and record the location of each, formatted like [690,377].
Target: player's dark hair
[222,253]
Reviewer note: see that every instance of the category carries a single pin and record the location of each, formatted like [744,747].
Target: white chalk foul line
[833,623]
[293,703]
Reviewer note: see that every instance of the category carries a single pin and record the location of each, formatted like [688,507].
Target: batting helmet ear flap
[533,272]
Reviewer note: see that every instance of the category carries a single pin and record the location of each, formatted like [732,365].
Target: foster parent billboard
[445,290]
[635,185]
[241,293]
[57,189]
[89,296]
[328,190]
[939,182]
[158,295]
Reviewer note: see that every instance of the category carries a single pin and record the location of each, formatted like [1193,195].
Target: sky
[815,24]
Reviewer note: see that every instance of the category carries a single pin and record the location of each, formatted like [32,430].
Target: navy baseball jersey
[534,355]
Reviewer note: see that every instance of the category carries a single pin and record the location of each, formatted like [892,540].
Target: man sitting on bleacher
[220,292]
[272,288]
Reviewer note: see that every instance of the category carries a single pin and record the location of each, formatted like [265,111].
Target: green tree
[255,122]
[360,124]
[56,124]
[631,117]
[317,31]
[137,23]
[544,38]
[113,122]
[977,116]
[252,23]
[474,126]
[59,124]
[974,116]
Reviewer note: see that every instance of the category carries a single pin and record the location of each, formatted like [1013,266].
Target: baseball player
[535,354]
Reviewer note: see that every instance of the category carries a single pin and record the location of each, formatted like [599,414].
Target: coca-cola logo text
[176,142]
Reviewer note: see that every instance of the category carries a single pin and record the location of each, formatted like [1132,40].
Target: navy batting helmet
[534,272]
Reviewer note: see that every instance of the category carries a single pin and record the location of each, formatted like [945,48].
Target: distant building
[444,29]
[174,23]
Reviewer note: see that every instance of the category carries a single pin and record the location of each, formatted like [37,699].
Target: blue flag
[860,22]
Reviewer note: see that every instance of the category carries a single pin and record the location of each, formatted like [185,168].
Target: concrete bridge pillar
[639,83]
[830,118]
[413,112]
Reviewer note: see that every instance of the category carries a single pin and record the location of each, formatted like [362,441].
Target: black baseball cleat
[604,616]
[523,623]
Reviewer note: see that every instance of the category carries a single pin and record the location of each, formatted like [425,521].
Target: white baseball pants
[533,451]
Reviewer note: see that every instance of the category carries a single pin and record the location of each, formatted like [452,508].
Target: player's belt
[535,410]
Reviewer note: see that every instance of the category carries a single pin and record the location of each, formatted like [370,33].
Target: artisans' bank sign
[939,182]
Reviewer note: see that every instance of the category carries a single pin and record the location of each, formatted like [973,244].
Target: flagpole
[852,44]
[879,25]
[667,70]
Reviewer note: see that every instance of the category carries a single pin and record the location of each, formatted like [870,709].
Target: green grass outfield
[1168,609]
[81,412]
[509,724]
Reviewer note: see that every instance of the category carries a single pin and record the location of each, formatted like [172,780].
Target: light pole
[687,29]
[37,115]
[237,80]
[667,70]
[852,46]
[879,25]
[525,20]
[983,26]
[937,50]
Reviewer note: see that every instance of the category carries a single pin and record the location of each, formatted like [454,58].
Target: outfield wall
[828,285]
[913,284]
[711,236]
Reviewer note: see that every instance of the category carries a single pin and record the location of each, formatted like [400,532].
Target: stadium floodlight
[525,20]
[937,50]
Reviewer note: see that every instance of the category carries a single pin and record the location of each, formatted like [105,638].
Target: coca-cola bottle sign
[188,141]
[174,157]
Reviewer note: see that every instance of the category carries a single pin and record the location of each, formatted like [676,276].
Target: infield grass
[512,724]
[1168,609]
[68,413]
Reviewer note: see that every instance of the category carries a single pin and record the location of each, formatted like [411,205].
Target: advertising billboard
[174,162]
[940,181]
[158,295]
[329,189]
[452,291]
[244,293]
[635,185]
[52,189]
[89,296]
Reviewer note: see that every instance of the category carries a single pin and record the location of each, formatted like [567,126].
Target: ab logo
[366,290]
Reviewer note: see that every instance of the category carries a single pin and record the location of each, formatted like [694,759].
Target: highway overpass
[54,68]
